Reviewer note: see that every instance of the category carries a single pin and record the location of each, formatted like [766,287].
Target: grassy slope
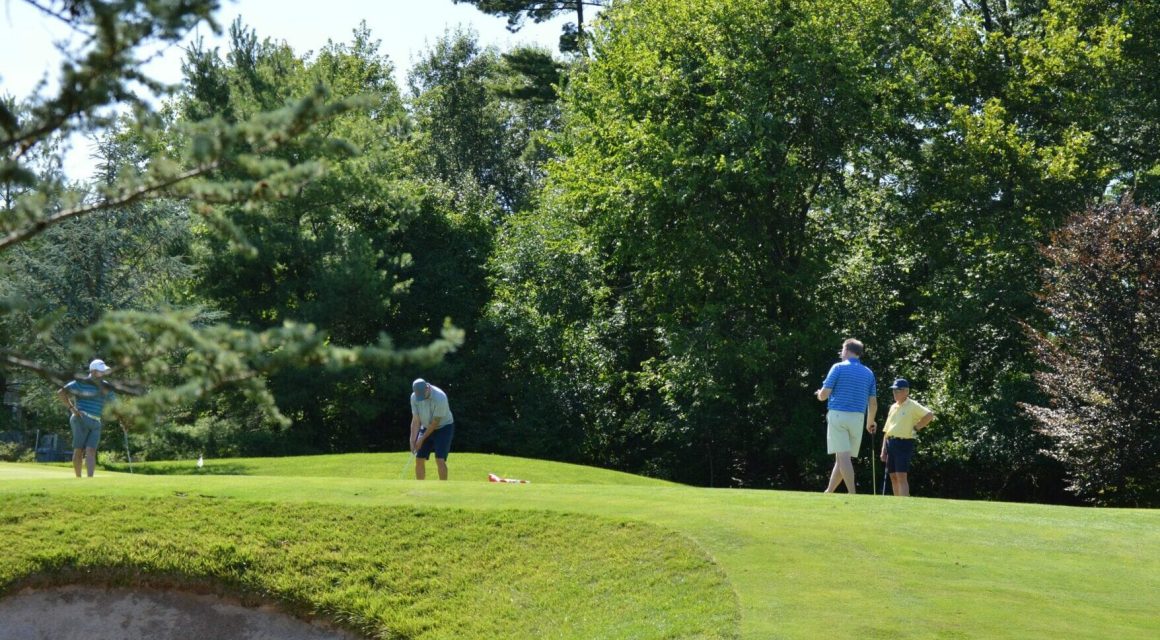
[806,565]
[389,572]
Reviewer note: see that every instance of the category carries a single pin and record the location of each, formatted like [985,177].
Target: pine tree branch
[17,361]
[130,197]
[51,13]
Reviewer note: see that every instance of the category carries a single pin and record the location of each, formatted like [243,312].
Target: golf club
[128,456]
[414,453]
[406,465]
[884,473]
[873,465]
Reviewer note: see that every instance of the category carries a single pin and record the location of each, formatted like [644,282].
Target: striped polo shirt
[852,384]
[89,398]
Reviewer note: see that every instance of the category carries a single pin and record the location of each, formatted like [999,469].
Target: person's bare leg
[903,485]
[894,483]
[78,457]
[846,466]
[835,479]
[442,467]
[420,469]
[90,460]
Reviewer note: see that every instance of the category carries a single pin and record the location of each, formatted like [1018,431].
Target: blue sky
[404,27]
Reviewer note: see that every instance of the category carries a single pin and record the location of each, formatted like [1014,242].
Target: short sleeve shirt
[902,418]
[90,398]
[852,384]
[434,406]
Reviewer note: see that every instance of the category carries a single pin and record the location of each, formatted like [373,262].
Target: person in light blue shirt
[85,399]
[850,393]
[432,427]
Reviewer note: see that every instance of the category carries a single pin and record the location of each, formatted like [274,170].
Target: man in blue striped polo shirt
[85,399]
[850,390]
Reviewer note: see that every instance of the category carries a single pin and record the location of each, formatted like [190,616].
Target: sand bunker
[94,613]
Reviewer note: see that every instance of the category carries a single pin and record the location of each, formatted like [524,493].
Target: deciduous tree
[696,143]
[1101,353]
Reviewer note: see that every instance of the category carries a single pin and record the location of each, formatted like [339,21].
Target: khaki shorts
[844,432]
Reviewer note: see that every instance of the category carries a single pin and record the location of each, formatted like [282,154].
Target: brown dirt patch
[95,613]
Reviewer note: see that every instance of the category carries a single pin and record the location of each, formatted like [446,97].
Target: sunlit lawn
[588,552]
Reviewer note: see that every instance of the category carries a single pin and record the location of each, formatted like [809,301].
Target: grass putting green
[785,565]
[471,467]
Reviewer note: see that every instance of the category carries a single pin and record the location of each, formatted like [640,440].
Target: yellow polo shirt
[902,418]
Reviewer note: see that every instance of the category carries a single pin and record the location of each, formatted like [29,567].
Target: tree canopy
[652,247]
[518,12]
[214,165]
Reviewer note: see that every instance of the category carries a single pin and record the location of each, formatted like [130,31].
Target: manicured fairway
[794,565]
[469,467]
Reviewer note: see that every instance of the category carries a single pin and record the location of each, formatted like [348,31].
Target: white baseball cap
[98,365]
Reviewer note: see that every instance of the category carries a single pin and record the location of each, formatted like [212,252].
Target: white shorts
[844,432]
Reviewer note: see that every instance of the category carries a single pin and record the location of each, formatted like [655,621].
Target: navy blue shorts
[898,454]
[439,442]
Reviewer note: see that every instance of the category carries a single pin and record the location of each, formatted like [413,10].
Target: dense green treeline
[744,184]
[654,247]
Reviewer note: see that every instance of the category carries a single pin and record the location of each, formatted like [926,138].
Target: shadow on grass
[184,468]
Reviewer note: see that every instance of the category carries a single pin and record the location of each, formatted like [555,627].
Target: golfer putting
[432,427]
[849,391]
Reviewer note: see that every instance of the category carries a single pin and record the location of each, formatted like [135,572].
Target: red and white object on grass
[491,477]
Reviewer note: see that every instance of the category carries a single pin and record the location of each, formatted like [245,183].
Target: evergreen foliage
[518,12]
[217,165]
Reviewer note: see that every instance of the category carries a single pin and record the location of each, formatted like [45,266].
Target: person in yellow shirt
[906,418]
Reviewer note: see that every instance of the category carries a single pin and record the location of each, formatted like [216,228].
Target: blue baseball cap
[900,383]
[421,388]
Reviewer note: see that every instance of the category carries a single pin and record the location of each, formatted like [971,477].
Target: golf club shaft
[885,467]
[414,454]
[406,464]
[128,456]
